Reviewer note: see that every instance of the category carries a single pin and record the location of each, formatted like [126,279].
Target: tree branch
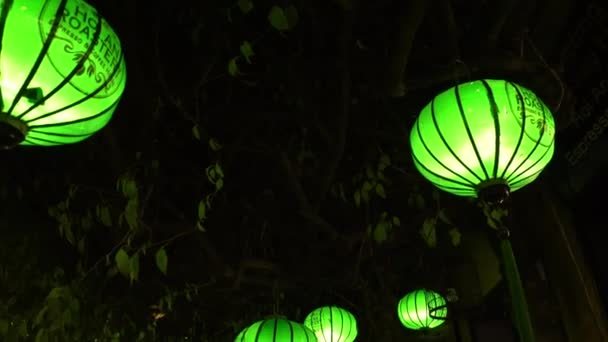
[410,18]
[337,149]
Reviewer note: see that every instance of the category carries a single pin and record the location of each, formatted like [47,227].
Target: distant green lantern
[483,133]
[62,72]
[332,324]
[275,330]
[422,309]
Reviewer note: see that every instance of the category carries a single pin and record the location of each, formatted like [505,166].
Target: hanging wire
[553,72]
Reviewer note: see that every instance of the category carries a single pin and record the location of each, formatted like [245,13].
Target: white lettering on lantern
[72,40]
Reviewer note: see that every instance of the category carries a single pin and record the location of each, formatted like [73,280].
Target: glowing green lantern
[62,72]
[422,309]
[483,133]
[332,324]
[274,330]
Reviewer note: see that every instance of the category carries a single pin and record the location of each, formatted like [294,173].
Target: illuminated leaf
[396,221]
[122,262]
[380,191]
[214,144]
[131,214]
[245,6]
[381,232]
[196,133]
[161,260]
[202,210]
[233,68]
[247,51]
[134,267]
[104,216]
[428,232]
[291,13]
[455,236]
[277,18]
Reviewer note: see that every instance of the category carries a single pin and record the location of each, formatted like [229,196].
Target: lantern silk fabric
[62,70]
[422,309]
[482,133]
[276,330]
[332,324]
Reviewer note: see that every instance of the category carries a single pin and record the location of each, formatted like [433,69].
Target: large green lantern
[422,309]
[332,324]
[483,133]
[274,330]
[62,72]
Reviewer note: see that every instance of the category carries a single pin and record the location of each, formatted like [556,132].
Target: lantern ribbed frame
[422,309]
[276,329]
[332,324]
[483,133]
[63,71]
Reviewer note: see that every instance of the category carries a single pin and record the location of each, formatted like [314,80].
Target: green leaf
[219,171]
[419,201]
[380,191]
[134,267]
[381,232]
[247,51]
[428,232]
[233,68]
[215,145]
[357,197]
[104,216]
[277,18]
[199,226]
[131,214]
[384,161]
[396,221]
[369,172]
[161,260]
[219,184]
[292,16]
[455,236]
[435,195]
[202,210]
[129,189]
[245,6]
[122,262]
[196,133]
[443,217]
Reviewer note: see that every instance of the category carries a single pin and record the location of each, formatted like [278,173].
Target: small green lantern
[274,330]
[483,133]
[62,72]
[422,309]
[332,324]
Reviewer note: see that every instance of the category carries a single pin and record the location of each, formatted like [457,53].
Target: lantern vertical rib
[41,55]
[74,71]
[494,111]
[468,129]
[470,183]
[448,145]
[521,133]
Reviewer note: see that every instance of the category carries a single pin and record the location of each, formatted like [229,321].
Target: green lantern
[332,324]
[483,133]
[62,72]
[274,330]
[422,309]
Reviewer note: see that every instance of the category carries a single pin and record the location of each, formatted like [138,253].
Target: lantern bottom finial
[12,131]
